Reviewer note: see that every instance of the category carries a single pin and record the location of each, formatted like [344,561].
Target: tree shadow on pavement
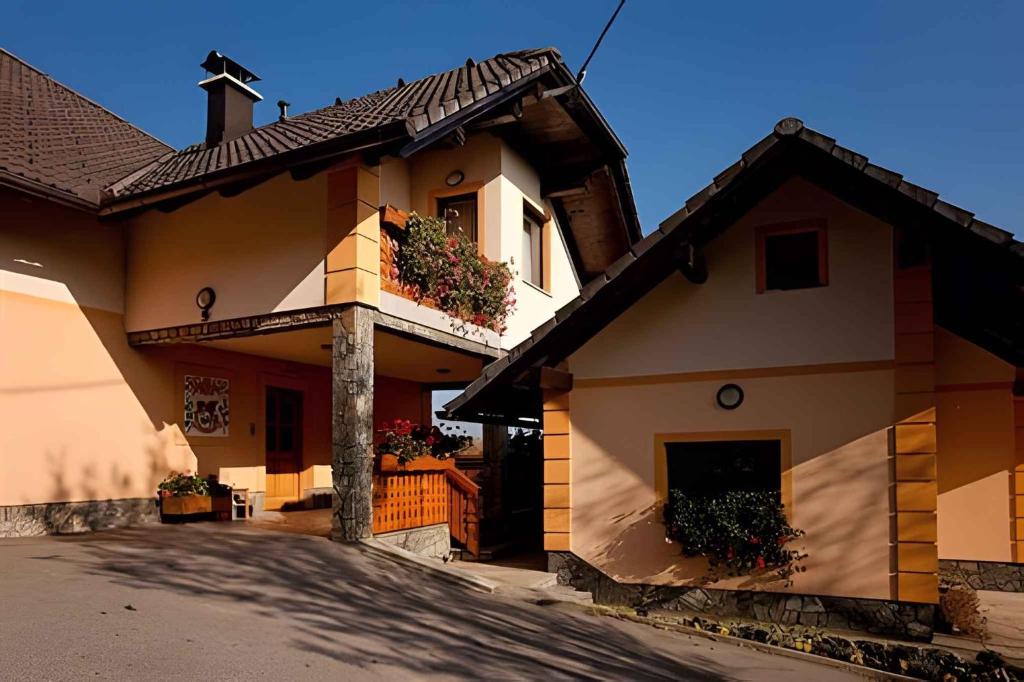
[352,605]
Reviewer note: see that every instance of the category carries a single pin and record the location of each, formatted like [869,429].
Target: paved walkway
[222,601]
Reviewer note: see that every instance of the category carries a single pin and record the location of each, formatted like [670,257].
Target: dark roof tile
[420,104]
[954,213]
[883,174]
[54,137]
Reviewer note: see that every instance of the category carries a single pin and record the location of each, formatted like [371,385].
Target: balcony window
[460,214]
[531,268]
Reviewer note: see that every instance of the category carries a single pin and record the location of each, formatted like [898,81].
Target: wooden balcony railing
[424,492]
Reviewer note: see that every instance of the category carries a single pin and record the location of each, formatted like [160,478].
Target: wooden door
[284,445]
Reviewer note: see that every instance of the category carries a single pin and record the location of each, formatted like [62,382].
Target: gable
[978,281]
[726,324]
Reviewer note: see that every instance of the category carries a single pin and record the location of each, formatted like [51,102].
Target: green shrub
[739,532]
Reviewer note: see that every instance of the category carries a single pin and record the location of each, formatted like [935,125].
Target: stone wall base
[76,517]
[877,616]
[984,575]
[432,541]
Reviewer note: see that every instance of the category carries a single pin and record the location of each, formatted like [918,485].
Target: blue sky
[929,89]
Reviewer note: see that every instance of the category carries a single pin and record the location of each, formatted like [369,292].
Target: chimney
[229,98]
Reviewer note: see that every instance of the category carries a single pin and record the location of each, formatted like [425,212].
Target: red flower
[760,562]
[730,554]
[429,440]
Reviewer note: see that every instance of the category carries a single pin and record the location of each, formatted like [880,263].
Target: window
[531,269]
[459,213]
[711,468]
[792,256]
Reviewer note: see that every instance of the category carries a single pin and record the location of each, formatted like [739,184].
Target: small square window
[459,213]
[792,257]
[531,269]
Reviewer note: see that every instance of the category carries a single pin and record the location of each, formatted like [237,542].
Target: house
[809,324]
[236,309]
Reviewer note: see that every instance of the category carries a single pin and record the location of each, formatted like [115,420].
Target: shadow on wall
[636,550]
[350,605]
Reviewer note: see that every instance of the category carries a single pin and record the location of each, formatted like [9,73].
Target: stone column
[352,425]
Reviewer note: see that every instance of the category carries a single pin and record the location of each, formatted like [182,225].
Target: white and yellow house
[843,334]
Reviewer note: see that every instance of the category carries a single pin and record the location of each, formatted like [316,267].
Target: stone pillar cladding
[996,576]
[557,458]
[352,425]
[353,237]
[914,489]
[876,616]
[1017,482]
[76,517]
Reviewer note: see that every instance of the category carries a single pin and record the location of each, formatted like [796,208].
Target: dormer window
[792,256]
[459,213]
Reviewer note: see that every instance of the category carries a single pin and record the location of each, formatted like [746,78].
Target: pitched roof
[789,149]
[411,107]
[55,141]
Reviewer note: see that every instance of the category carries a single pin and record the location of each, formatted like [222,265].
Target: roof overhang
[978,269]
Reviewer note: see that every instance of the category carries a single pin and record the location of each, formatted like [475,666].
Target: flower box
[185,505]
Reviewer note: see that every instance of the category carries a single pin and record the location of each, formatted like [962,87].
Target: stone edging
[984,575]
[50,518]
[876,616]
[434,567]
[864,671]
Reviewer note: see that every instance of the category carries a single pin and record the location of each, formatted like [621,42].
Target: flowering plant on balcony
[407,441]
[739,532]
[449,271]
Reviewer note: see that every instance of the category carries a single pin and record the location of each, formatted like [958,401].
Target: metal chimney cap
[216,63]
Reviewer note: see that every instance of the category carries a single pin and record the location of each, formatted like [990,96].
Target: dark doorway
[283,445]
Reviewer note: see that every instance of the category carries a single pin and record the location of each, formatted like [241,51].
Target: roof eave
[362,141]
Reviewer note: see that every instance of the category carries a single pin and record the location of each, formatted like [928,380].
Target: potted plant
[184,494]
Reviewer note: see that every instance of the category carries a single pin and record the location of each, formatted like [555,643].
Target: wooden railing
[424,492]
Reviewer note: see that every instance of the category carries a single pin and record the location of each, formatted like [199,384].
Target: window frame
[762,232]
[542,222]
[436,196]
[783,436]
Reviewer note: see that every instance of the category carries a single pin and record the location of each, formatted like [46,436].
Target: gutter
[43,191]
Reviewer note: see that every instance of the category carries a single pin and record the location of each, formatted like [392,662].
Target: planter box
[186,505]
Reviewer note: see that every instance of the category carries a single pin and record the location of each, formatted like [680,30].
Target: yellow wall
[840,474]
[84,416]
[838,413]
[725,324]
[508,180]
[975,450]
[262,251]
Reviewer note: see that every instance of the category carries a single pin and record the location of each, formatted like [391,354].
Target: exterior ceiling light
[729,397]
[205,300]
[455,178]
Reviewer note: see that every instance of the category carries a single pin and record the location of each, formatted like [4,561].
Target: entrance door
[284,446]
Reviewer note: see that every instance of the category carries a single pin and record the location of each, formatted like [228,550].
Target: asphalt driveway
[216,601]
